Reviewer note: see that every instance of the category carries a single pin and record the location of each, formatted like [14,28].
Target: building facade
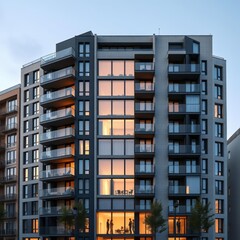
[115,122]
[233,188]
[9,161]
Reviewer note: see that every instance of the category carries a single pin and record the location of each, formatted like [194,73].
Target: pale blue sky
[30,29]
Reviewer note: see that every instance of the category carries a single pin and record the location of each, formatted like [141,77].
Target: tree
[201,219]
[154,220]
[80,215]
[67,218]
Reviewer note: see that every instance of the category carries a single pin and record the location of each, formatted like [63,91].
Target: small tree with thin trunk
[67,218]
[154,220]
[80,216]
[201,218]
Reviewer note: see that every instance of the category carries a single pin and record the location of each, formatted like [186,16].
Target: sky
[30,29]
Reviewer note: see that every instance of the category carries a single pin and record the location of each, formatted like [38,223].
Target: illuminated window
[219,225]
[218,111]
[35,225]
[219,206]
[84,147]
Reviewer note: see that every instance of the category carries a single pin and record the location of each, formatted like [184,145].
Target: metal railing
[146,189]
[61,191]
[59,172]
[60,152]
[144,107]
[65,132]
[183,108]
[181,68]
[144,148]
[148,127]
[180,149]
[144,169]
[184,128]
[184,88]
[146,87]
[144,66]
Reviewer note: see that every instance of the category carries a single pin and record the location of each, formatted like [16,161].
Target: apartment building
[115,122]
[9,161]
[233,188]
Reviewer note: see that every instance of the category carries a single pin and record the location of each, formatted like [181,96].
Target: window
[11,122]
[204,87]
[36,108]
[34,173]
[25,208]
[218,92]
[26,80]
[218,75]
[204,67]
[25,175]
[11,157]
[195,47]
[84,147]
[218,168]
[12,105]
[83,186]
[26,126]
[35,92]
[35,155]
[26,96]
[219,187]
[11,140]
[25,142]
[204,126]
[84,88]
[204,146]
[26,111]
[83,165]
[35,190]
[11,172]
[219,207]
[219,225]
[25,158]
[204,107]
[219,149]
[116,68]
[204,185]
[35,225]
[36,76]
[84,108]
[35,123]
[25,191]
[84,49]
[35,208]
[35,139]
[204,166]
[84,69]
[219,130]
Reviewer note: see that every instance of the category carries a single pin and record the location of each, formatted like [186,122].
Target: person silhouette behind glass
[130,226]
[107,225]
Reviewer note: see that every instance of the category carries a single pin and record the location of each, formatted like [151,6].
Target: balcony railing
[56,153]
[10,109]
[63,93]
[8,197]
[8,178]
[58,55]
[52,211]
[147,189]
[148,127]
[183,190]
[184,88]
[181,209]
[59,172]
[57,192]
[144,148]
[184,68]
[144,87]
[144,169]
[144,66]
[57,114]
[56,231]
[145,107]
[184,149]
[11,126]
[184,108]
[184,170]
[57,75]
[65,132]
[142,207]
[183,128]
[7,232]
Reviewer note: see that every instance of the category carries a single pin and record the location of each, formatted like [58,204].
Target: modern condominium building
[115,122]
[9,162]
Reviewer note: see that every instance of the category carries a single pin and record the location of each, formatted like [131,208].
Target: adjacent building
[115,122]
[9,161]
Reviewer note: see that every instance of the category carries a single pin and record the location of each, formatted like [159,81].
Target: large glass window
[218,75]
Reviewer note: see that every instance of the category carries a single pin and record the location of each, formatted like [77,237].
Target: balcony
[144,70]
[56,174]
[183,88]
[187,71]
[144,130]
[144,170]
[10,128]
[60,192]
[144,90]
[145,190]
[9,110]
[181,209]
[66,154]
[183,190]
[183,170]
[2,163]
[144,150]
[9,215]
[7,232]
[2,146]
[59,79]
[61,98]
[61,136]
[144,109]
[8,197]
[8,179]
[56,231]
[183,129]
[58,118]
[51,211]
[184,149]
[143,207]
[183,108]
[58,60]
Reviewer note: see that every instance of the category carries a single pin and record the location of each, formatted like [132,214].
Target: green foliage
[67,217]
[200,219]
[81,214]
[154,220]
